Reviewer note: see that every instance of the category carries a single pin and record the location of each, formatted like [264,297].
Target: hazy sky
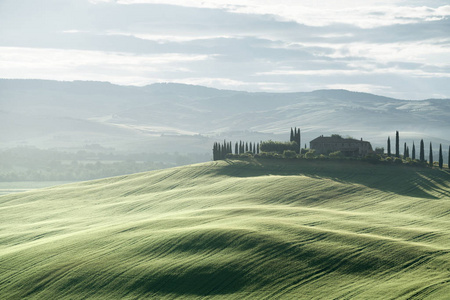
[392,47]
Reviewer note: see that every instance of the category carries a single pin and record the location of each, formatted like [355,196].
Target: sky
[393,48]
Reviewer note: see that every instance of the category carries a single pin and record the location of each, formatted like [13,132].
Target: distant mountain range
[168,117]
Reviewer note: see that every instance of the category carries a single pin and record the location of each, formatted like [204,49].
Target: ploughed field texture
[273,229]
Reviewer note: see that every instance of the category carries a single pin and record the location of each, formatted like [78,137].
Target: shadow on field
[200,281]
[403,180]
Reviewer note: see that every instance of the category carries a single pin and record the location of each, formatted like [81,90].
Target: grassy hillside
[235,229]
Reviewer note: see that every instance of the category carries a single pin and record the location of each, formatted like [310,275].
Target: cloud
[91,65]
[253,45]
[367,14]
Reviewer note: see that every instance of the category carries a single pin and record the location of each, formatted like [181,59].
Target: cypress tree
[397,144]
[298,140]
[422,151]
[236,148]
[389,147]
[431,155]
[217,151]
[441,159]
[292,135]
[413,156]
[404,150]
[448,162]
[407,151]
[257,148]
[214,151]
[246,147]
[251,147]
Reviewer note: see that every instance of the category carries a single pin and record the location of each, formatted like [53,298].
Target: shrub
[269,155]
[278,147]
[304,150]
[397,160]
[336,155]
[231,155]
[310,154]
[289,154]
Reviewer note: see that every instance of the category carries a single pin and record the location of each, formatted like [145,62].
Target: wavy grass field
[271,229]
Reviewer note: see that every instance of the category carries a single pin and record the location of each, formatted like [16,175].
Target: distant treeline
[292,149]
[412,155]
[33,164]
[221,150]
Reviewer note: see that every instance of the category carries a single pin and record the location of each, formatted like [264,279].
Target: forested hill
[266,229]
[155,117]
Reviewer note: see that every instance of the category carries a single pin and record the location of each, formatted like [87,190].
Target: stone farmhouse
[349,147]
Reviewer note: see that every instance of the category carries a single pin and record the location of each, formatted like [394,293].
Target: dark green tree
[292,136]
[215,152]
[251,147]
[397,144]
[236,148]
[389,147]
[246,146]
[431,155]
[422,151]
[405,154]
[413,154]
[257,148]
[441,158]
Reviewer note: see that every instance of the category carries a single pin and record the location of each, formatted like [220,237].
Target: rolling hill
[50,114]
[258,229]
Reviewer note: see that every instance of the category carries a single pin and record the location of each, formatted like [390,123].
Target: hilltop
[48,114]
[260,229]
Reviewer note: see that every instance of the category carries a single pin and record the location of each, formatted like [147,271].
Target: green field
[273,229]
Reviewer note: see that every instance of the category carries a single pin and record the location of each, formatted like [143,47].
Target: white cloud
[168,37]
[123,68]
[235,44]
[356,72]
[367,14]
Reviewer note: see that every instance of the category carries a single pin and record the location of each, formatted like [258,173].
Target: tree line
[221,150]
[407,154]
[293,149]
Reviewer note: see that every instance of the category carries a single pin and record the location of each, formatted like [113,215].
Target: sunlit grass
[233,229]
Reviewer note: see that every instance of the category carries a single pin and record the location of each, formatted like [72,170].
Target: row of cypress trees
[406,152]
[220,150]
